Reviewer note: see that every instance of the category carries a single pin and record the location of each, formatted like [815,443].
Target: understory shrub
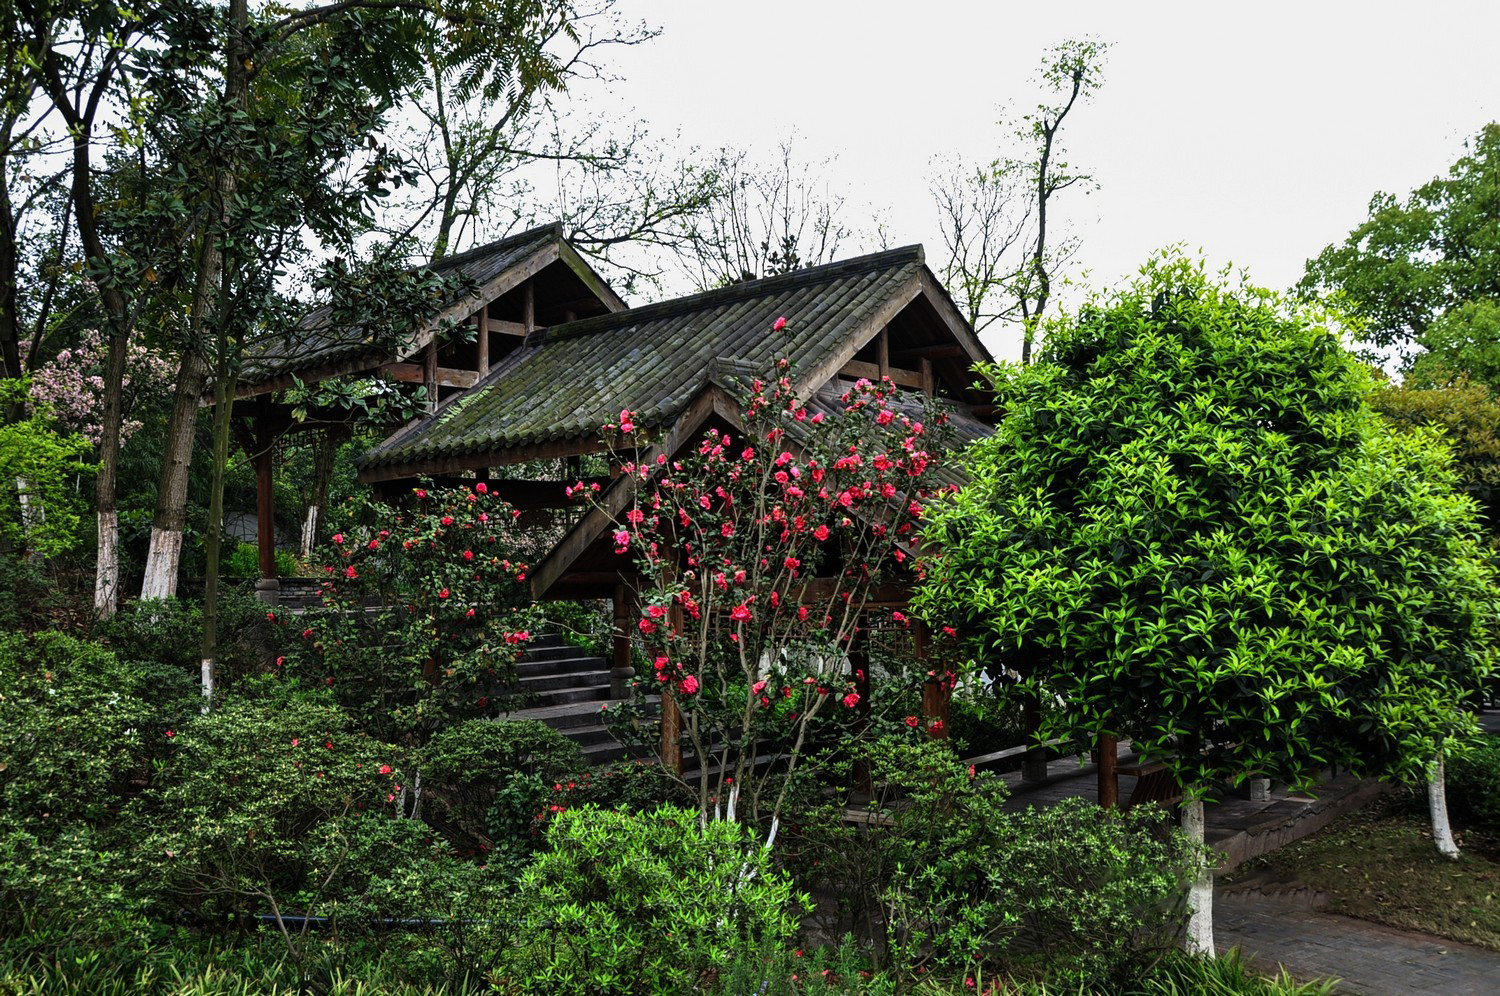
[170,631]
[943,878]
[1474,782]
[646,903]
[244,562]
[490,782]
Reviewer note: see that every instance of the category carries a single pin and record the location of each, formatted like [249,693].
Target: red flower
[350,572]
[481,487]
[913,722]
[421,493]
[820,534]
[851,700]
[170,734]
[385,769]
[655,611]
[689,685]
[778,324]
[727,530]
[740,613]
[338,537]
[443,593]
[468,554]
[626,425]
[446,520]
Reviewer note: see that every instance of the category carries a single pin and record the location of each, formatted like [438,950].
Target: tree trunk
[1437,806]
[223,405]
[165,553]
[107,567]
[1200,925]
[323,454]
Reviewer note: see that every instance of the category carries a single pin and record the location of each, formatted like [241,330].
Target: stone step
[554,652]
[570,696]
[533,669]
[554,682]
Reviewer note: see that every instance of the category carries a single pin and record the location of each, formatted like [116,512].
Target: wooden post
[528,305]
[621,669]
[929,383]
[1109,782]
[267,587]
[482,339]
[934,690]
[429,373]
[1034,764]
[883,353]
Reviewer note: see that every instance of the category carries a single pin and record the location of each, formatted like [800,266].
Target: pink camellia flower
[740,613]
[758,687]
[482,488]
[660,663]
[899,618]
[350,572]
[820,534]
[446,520]
[443,594]
[295,741]
[851,700]
[885,416]
[170,734]
[647,626]
[689,685]
[779,324]
[622,541]
[727,530]
[950,631]
[913,722]
[421,493]
[468,554]
[385,769]
[271,616]
[626,422]
[655,611]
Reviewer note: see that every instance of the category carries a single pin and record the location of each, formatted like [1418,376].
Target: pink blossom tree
[762,551]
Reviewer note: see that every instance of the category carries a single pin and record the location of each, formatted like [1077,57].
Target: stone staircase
[566,690]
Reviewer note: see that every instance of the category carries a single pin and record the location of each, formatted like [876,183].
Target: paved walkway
[1372,960]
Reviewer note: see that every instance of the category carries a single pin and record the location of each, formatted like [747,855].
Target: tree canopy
[1194,531]
[1424,272]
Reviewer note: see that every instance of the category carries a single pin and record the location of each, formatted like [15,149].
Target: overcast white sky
[1254,131]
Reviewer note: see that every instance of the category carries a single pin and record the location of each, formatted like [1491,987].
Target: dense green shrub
[646,903]
[585,625]
[243,561]
[632,786]
[170,631]
[489,782]
[1474,783]
[28,598]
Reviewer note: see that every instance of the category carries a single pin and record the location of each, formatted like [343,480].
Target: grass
[1380,865]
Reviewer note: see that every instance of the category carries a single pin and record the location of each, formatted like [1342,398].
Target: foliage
[646,903]
[1469,414]
[29,598]
[491,782]
[729,538]
[1425,272]
[68,385]
[943,878]
[40,465]
[244,562]
[168,630]
[1202,536]
[632,786]
[1473,783]
[422,621]
[983,722]
[585,625]
[79,730]
[273,806]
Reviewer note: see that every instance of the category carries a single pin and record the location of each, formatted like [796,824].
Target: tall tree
[1193,524]
[996,220]
[1423,273]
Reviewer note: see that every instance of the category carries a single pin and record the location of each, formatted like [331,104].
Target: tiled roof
[315,342]
[569,380]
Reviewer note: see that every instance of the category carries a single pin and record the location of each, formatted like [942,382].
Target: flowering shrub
[760,550]
[425,612]
[71,384]
[40,508]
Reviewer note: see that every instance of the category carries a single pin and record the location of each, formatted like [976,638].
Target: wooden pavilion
[556,355]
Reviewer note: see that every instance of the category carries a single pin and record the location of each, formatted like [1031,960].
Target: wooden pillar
[1109,782]
[267,587]
[883,353]
[935,692]
[528,304]
[429,373]
[621,670]
[482,339]
[929,382]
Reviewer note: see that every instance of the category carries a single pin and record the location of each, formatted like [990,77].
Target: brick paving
[1370,959]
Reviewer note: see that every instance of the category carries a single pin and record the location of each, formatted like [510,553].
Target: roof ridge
[747,289]
[554,227]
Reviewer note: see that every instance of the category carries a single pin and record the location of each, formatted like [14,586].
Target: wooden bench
[1153,783]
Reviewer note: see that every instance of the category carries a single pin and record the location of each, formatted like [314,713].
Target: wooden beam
[499,457]
[821,374]
[871,371]
[949,315]
[482,339]
[509,328]
[602,291]
[945,351]
[419,373]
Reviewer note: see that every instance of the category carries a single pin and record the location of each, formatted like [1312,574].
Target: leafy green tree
[1425,272]
[1202,536]
[38,464]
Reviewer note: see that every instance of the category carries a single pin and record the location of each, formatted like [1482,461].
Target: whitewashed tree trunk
[309,531]
[208,684]
[107,571]
[161,563]
[1200,925]
[1437,806]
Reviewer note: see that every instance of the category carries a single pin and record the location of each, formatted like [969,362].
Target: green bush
[633,786]
[585,625]
[243,561]
[646,903]
[170,631]
[489,782]
[29,600]
[1474,783]
[946,880]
